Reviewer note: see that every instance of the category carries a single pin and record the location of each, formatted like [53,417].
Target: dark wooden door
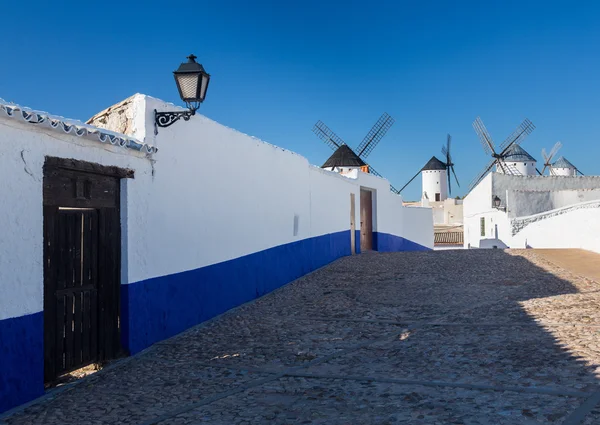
[81,267]
[366,220]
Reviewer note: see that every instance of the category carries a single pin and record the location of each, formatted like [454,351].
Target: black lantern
[497,201]
[192,81]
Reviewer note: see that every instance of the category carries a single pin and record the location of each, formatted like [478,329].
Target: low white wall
[576,228]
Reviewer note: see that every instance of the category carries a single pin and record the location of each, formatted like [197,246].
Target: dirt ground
[439,337]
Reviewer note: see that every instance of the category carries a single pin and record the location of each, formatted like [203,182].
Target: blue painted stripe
[158,308]
[384,242]
[357,241]
[21,359]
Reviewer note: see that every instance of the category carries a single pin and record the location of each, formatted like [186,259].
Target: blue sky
[278,67]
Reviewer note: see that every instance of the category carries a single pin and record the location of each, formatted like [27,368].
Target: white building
[434,178]
[180,233]
[517,162]
[507,211]
[562,167]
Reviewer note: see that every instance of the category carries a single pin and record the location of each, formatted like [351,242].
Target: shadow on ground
[446,337]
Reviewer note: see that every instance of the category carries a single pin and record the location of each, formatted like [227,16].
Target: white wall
[208,195]
[23,148]
[577,227]
[524,203]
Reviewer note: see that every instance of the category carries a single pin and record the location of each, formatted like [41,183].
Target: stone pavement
[445,337]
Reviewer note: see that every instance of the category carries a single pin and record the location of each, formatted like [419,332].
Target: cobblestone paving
[444,337]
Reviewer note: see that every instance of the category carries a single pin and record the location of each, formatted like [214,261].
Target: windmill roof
[344,157]
[434,164]
[518,154]
[563,162]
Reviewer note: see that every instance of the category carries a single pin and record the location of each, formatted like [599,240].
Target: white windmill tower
[563,167]
[521,163]
[436,176]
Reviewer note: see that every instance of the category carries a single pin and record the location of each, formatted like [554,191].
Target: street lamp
[192,81]
[497,201]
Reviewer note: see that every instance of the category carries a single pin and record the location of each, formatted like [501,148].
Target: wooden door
[352,225]
[81,266]
[366,220]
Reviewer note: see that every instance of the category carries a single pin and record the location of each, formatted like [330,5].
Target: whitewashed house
[532,211]
[117,234]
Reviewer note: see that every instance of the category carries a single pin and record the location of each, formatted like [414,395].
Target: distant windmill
[508,147]
[365,147]
[548,157]
[436,166]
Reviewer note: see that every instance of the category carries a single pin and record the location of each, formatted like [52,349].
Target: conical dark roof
[563,162]
[344,157]
[517,154]
[434,164]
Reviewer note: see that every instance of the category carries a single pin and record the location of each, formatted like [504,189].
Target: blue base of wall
[161,307]
[21,360]
[384,242]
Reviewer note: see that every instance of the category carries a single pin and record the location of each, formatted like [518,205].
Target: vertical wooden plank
[50,258]
[93,295]
[352,225]
[79,222]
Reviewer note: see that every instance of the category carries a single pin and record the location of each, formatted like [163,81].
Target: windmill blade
[545,155]
[518,135]
[542,172]
[392,188]
[577,171]
[484,136]
[329,137]
[546,165]
[448,140]
[449,185]
[455,178]
[482,174]
[414,177]
[554,150]
[374,135]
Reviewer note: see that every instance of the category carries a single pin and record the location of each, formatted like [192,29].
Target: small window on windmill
[482,225]
[296,220]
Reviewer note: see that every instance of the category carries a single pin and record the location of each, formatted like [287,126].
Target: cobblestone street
[440,337]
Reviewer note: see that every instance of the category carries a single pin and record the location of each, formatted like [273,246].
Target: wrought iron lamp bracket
[165,119]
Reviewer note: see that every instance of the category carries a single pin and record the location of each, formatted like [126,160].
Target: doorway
[366,220]
[82,262]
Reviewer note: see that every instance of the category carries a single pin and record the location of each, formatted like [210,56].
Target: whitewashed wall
[23,148]
[575,228]
[212,220]
[524,203]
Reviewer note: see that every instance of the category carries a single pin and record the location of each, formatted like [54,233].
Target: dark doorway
[366,220]
[82,261]
[438,197]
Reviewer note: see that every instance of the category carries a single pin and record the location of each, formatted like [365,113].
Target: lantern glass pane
[204,86]
[188,84]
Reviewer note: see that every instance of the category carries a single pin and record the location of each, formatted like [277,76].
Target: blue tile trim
[21,359]
[384,242]
[157,308]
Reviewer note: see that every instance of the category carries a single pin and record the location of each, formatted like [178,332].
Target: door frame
[366,219]
[69,183]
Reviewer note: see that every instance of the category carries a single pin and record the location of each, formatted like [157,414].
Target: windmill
[365,147]
[498,159]
[435,164]
[548,157]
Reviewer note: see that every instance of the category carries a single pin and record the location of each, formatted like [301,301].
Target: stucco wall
[578,227]
[524,203]
[212,220]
